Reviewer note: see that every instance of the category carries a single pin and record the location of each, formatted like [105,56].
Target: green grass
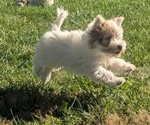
[70,99]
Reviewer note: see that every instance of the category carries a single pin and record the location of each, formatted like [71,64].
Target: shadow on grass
[28,101]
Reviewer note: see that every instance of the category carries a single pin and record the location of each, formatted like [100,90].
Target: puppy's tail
[61,16]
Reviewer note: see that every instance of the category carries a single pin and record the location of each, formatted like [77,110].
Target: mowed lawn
[69,99]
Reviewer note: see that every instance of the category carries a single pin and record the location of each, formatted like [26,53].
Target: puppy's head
[21,2]
[107,35]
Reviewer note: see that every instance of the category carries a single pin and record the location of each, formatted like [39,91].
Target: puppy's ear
[98,24]
[119,20]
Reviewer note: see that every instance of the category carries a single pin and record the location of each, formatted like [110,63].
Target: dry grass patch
[5,122]
[132,118]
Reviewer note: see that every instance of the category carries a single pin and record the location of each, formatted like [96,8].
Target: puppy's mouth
[111,51]
[117,52]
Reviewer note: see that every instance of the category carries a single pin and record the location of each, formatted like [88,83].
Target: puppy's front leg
[101,74]
[119,66]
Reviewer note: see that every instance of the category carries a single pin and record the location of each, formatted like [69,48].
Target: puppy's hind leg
[46,75]
[43,73]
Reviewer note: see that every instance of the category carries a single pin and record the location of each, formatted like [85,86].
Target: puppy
[21,2]
[94,52]
[33,2]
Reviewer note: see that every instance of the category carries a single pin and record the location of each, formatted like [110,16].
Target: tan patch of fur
[109,28]
[119,20]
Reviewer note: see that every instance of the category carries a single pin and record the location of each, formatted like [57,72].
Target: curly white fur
[93,52]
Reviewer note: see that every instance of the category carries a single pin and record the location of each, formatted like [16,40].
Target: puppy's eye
[108,38]
[104,42]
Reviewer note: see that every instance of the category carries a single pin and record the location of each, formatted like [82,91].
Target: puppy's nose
[119,47]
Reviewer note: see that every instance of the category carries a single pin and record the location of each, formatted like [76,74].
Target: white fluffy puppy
[93,52]
[41,2]
[33,2]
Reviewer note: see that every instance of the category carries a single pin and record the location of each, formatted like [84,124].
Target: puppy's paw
[130,67]
[118,81]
